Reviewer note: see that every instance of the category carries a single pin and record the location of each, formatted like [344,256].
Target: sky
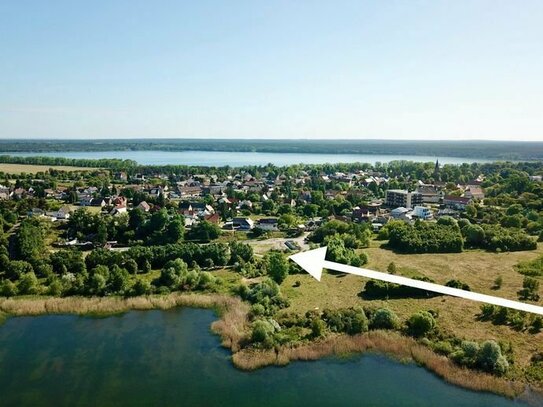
[454,69]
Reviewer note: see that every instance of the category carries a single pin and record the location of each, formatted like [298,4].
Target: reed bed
[390,343]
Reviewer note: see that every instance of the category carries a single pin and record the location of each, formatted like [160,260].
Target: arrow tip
[311,261]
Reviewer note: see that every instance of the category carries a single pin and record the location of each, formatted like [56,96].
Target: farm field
[33,169]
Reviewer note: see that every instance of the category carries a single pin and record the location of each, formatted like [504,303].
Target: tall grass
[232,325]
[387,342]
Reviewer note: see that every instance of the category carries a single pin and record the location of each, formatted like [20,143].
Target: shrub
[457,284]
[537,324]
[28,284]
[382,289]
[530,288]
[532,268]
[262,333]
[348,320]
[384,318]
[318,328]
[498,283]
[487,311]
[142,287]
[443,348]
[490,358]
[421,323]
[391,269]
[8,288]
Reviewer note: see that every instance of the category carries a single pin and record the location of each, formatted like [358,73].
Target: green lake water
[170,358]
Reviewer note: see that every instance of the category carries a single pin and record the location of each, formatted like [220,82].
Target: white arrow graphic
[313,261]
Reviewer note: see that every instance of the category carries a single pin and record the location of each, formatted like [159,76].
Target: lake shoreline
[232,327]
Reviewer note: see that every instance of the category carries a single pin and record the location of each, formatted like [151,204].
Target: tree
[96,284]
[490,358]
[28,284]
[278,267]
[131,266]
[29,241]
[421,323]
[205,231]
[171,274]
[384,318]
[17,268]
[142,287]
[174,231]
[240,252]
[119,280]
[263,333]
[136,218]
[471,211]
[8,288]
[475,235]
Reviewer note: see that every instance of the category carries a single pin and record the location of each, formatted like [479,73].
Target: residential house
[430,193]
[213,218]
[63,213]
[422,212]
[119,210]
[474,192]
[243,223]
[144,206]
[268,224]
[456,202]
[401,213]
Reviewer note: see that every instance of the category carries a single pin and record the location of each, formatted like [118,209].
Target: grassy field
[33,169]
[456,316]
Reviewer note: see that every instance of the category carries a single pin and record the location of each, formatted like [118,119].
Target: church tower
[436,171]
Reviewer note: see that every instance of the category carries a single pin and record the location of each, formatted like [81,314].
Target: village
[266,204]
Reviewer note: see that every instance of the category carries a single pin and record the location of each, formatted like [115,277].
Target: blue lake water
[170,358]
[237,159]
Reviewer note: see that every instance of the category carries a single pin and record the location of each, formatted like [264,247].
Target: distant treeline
[110,163]
[495,150]
[393,168]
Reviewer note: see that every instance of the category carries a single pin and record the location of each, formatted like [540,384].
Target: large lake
[237,159]
[170,358]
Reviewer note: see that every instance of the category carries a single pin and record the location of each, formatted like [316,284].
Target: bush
[382,289]
[318,328]
[530,288]
[348,320]
[457,284]
[533,268]
[392,269]
[262,333]
[474,234]
[443,348]
[467,355]
[142,287]
[490,358]
[421,324]
[498,283]
[28,284]
[384,318]
[8,289]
